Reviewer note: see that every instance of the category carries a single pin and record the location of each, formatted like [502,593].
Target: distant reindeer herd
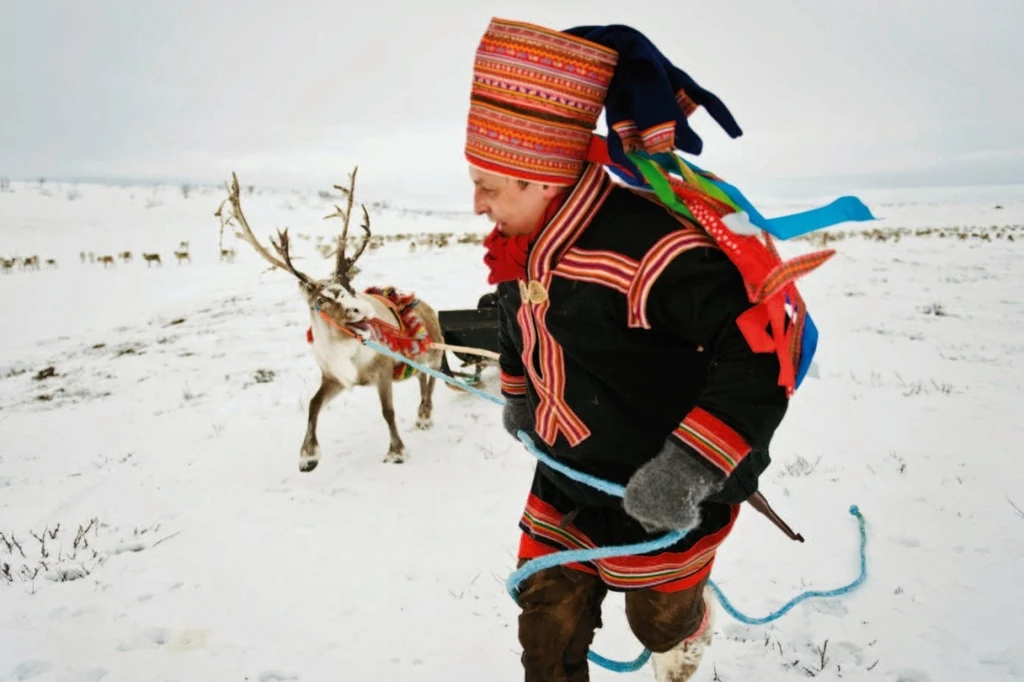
[181,254]
[29,263]
[324,245]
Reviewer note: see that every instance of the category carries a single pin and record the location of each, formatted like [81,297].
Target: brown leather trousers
[561,609]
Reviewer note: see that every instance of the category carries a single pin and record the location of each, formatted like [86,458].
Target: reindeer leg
[396,451]
[425,413]
[309,455]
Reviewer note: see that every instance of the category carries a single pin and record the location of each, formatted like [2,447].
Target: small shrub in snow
[936,309]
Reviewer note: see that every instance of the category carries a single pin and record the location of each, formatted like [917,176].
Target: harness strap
[390,305]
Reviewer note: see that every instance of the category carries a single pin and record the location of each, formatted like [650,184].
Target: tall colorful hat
[536,98]
[537,95]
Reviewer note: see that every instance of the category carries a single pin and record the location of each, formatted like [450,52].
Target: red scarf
[506,256]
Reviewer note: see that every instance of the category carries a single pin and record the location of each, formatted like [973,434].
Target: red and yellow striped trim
[686,103]
[712,439]
[660,138]
[512,385]
[664,572]
[653,265]
[789,271]
[548,375]
[607,268]
[629,135]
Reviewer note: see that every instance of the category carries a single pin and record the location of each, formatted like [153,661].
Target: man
[620,350]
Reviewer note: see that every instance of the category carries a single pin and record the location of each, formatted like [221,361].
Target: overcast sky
[833,94]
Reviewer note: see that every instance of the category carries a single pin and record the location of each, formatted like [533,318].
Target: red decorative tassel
[309,335]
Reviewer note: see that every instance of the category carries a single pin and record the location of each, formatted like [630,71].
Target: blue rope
[586,555]
[803,596]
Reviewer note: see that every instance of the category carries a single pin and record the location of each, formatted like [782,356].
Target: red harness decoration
[410,337]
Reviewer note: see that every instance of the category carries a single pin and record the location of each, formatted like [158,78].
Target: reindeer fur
[345,361]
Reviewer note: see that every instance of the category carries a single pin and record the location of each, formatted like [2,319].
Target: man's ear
[550,191]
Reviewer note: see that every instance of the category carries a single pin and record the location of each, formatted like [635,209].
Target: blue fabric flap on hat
[644,90]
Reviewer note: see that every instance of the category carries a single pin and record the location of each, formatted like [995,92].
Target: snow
[157,464]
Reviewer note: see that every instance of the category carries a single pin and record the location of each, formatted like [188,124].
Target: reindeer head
[334,295]
[344,307]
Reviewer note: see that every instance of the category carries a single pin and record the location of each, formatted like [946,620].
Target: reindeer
[125,256]
[106,260]
[344,361]
[151,258]
[182,255]
[227,255]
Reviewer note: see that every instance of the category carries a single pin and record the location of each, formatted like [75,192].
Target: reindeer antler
[281,246]
[349,194]
[343,264]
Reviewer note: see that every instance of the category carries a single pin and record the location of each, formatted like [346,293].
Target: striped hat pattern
[535,100]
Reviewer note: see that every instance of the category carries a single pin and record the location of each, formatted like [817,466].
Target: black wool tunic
[624,335]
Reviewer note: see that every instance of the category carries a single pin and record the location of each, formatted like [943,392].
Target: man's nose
[479,205]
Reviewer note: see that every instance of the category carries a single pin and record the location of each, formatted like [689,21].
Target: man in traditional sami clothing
[621,351]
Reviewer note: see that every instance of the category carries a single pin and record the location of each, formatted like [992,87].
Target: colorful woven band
[535,100]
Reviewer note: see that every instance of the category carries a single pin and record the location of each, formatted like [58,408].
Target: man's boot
[679,663]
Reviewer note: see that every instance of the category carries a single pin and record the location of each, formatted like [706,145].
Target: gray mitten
[515,415]
[666,492]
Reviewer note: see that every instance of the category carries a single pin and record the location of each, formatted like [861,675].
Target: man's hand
[666,492]
[516,414]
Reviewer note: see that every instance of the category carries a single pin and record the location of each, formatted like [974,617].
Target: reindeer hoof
[394,457]
[424,423]
[309,457]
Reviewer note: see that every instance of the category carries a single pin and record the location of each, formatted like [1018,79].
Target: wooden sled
[470,329]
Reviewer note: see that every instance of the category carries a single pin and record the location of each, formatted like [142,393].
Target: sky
[832,95]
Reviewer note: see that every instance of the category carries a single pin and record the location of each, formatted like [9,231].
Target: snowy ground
[156,527]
